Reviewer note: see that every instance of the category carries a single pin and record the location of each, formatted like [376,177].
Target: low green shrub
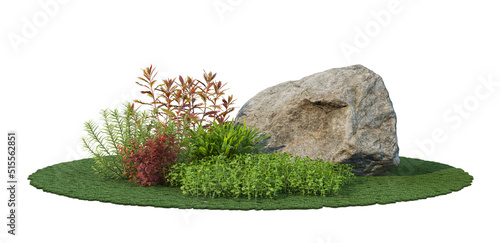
[228,139]
[260,176]
[315,177]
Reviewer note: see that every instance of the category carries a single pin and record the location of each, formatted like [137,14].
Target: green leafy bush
[260,176]
[228,139]
[219,176]
[119,130]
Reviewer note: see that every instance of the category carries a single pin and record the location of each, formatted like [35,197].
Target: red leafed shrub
[150,163]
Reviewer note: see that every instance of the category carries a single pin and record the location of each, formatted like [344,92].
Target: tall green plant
[118,131]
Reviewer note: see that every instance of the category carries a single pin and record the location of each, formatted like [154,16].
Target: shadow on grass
[411,167]
[406,168]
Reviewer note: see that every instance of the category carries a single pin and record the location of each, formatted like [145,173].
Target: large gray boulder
[342,115]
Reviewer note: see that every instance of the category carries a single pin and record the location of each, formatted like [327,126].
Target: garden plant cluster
[182,137]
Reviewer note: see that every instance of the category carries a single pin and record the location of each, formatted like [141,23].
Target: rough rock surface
[343,115]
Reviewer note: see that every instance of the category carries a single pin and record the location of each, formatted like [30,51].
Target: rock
[342,115]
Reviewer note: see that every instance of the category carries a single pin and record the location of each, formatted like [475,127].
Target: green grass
[414,179]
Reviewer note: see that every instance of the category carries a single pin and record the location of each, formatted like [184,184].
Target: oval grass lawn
[413,179]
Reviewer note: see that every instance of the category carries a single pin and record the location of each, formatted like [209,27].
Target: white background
[61,62]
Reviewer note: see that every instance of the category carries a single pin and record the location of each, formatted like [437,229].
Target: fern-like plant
[118,131]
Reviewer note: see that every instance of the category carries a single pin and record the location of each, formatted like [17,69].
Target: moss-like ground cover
[414,179]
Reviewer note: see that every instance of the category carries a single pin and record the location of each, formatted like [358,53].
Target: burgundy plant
[150,164]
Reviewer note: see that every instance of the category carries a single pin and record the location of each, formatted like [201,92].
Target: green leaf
[168,112]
